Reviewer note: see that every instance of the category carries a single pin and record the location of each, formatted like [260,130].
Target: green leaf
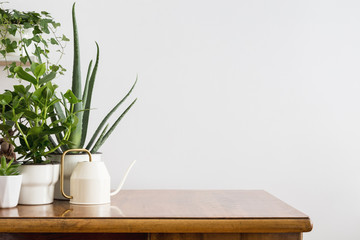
[12,29]
[24,75]
[27,25]
[100,139]
[70,96]
[103,122]
[47,77]
[33,67]
[38,94]
[5,98]
[35,131]
[54,101]
[36,30]
[40,70]
[48,91]
[4,127]
[86,89]
[108,133]
[16,117]
[23,60]
[44,25]
[30,115]
[75,136]
[64,38]
[88,96]
[36,38]
[16,102]
[53,41]
[3,162]
[9,164]
[59,111]
[20,89]
[55,130]
[55,25]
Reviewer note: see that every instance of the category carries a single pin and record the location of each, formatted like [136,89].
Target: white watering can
[89,182]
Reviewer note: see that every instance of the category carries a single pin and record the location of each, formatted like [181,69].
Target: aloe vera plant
[10,168]
[103,131]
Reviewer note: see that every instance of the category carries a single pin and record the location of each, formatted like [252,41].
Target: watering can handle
[123,180]
[62,169]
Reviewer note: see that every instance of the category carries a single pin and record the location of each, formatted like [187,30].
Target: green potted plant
[29,41]
[30,35]
[10,183]
[78,137]
[26,112]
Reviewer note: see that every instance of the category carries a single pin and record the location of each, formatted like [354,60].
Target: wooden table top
[162,211]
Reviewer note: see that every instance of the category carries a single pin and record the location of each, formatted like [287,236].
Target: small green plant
[10,168]
[78,136]
[28,112]
[30,34]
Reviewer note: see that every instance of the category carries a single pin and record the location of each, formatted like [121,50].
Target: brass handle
[62,169]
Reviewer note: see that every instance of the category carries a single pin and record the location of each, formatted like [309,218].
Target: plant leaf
[70,96]
[47,77]
[101,135]
[40,70]
[103,122]
[88,95]
[24,75]
[84,97]
[75,136]
[5,98]
[108,133]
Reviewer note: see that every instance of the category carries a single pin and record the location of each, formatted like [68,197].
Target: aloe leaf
[86,116]
[61,114]
[101,136]
[87,83]
[59,110]
[103,122]
[108,133]
[75,136]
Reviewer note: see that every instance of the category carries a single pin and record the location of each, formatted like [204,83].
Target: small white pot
[71,161]
[38,183]
[9,190]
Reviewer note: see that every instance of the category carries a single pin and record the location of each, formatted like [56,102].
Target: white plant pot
[9,190]
[71,161]
[38,183]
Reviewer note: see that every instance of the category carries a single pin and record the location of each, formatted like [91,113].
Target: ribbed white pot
[9,190]
[70,161]
[38,183]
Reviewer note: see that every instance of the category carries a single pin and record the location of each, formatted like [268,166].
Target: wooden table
[161,215]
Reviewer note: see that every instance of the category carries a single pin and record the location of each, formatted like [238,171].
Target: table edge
[127,225]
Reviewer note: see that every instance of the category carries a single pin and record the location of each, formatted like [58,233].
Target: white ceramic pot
[38,183]
[9,190]
[71,161]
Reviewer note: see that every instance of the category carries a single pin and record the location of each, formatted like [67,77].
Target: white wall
[232,95]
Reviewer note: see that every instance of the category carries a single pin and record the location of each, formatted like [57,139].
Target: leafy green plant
[29,112]
[101,134]
[9,169]
[30,33]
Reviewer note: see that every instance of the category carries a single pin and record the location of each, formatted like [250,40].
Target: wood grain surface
[162,211]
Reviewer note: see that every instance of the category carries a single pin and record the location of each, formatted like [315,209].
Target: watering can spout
[123,180]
